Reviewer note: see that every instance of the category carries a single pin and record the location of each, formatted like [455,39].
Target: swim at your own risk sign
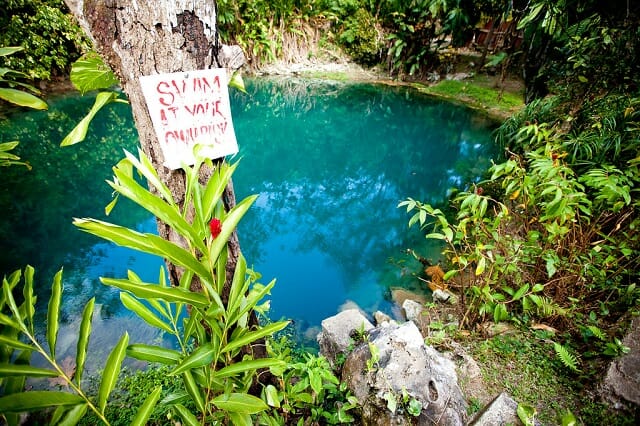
[187,109]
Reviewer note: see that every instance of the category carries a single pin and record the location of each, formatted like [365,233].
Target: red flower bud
[479,190]
[215,226]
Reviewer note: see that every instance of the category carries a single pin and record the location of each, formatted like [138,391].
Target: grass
[131,390]
[525,366]
[480,93]
[327,75]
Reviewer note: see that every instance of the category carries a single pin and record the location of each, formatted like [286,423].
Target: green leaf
[551,266]
[146,409]
[20,98]
[239,403]
[435,236]
[153,354]
[567,358]
[111,371]
[193,390]
[228,225]
[500,312]
[248,365]
[239,286]
[8,146]
[74,415]
[83,338]
[90,73]
[10,370]
[568,419]
[482,263]
[109,207]
[144,166]
[537,288]
[188,418]
[134,305]
[53,312]
[250,302]
[165,211]
[116,234]
[392,402]
[272,397]
[16,344]
[240,419]
[236,82]
[27,292]
[37,400]
[315,380]
[57,415]
[10,50]
[16,384]
[415,407]
[203,355]
[252,336]
[80,131]
[526,414]
[450,273]
[521,292]
[597,332]
[16,321]
[215,188]
[175,398]
[152,291]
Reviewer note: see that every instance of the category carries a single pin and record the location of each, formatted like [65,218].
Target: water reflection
[330,162]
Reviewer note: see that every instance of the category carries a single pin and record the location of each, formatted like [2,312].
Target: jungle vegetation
[549,237]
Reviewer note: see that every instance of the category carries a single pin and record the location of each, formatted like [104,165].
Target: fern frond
[597,332]
[568,359]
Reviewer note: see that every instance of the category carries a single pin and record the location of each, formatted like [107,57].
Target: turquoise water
[330,161]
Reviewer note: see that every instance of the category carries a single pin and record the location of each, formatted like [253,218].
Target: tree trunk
[137,38]
[534,62]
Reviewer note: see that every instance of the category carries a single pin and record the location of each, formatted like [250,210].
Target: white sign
[189,108]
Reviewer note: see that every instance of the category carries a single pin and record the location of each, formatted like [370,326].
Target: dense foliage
[548,240]
[406,35]
[552,235]
[51,38]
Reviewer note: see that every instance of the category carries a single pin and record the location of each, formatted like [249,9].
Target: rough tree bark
[138,38]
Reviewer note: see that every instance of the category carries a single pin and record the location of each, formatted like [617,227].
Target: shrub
[361,38]
[51,38]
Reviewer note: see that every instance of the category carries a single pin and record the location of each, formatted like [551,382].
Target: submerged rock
[399,295]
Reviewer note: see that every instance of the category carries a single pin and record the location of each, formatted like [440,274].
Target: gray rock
[382,318]
[622,382]
[459,76]
[444,296]
[502,411]
[405,367]
[335,337]
[469,374]
[412,310]
[441,296]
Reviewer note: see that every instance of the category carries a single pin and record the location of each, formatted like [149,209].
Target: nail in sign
[189,108]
